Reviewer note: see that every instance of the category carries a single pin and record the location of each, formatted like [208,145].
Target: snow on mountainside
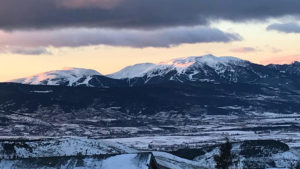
[67,77]
[207,68]
[138,70]
[181,66]
[209,60]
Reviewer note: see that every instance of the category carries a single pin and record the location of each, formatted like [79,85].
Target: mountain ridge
[207,68]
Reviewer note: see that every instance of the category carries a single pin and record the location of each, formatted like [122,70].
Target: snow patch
[45,91]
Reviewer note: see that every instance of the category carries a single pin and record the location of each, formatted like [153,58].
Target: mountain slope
[206,68]
[138,70]
[181,65]
[71,77]
[212,69]
[66,77]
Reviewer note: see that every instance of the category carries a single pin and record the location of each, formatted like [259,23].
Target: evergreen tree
[297,165]
[225,159]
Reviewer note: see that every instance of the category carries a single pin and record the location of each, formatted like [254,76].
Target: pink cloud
[244,50]
[106,4]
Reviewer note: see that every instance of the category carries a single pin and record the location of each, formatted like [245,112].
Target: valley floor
[170,143]
[214,129]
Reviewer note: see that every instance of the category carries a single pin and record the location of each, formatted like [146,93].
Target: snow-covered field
[274,127]
[178,131]
[206,131]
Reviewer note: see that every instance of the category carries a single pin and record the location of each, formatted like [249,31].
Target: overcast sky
[107,35]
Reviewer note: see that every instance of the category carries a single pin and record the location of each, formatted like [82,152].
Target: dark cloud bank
[19,14]
[166,37]
[33,25]
[285,27]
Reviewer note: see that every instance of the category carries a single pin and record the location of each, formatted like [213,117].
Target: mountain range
[203,69]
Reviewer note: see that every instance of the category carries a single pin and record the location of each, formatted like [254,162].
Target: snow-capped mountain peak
[209,60]
[67,76]
[181,65]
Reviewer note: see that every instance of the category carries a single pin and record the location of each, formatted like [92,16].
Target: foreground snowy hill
[52,147]
[69,153]
[80,153]
[121,161]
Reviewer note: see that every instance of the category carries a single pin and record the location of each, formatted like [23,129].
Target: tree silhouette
[297,165]
[225,158]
